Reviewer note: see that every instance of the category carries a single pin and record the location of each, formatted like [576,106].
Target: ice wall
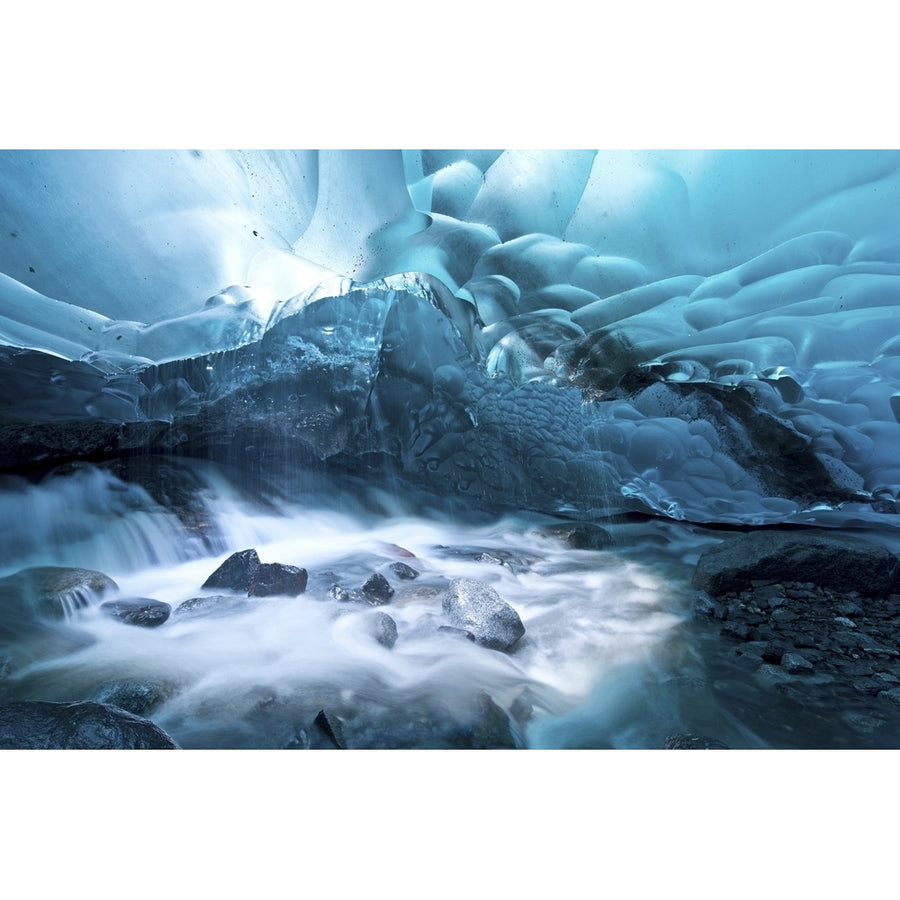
[710,335]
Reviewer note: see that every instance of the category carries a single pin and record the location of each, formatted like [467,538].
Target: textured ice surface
[705,335]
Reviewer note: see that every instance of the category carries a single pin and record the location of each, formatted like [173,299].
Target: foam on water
[256,674]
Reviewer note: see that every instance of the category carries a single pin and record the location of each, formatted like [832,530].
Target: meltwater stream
[606,660]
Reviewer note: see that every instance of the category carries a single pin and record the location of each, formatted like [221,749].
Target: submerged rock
[236,573]
[477,608]
[135,695]
[492,729]
[83,725]
[214,604]
[277,579]
[142,611]
[837,562]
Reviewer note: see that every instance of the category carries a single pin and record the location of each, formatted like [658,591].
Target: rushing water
[611,657]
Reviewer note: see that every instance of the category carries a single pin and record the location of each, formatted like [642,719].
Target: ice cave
[450,449]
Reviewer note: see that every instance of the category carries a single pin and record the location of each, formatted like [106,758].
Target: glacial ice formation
[711,336]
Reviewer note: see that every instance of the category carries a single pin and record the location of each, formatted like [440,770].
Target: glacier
[708,336]
[697,339]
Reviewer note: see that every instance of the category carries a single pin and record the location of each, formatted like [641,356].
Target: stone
[403,571]
[796,664]
[236,573]
[330,725]
[82,725]
[51,592]
[736,630]
[492,729]
[277,579]
[383,629]
[377,590]
[839,562]
[299,740]
[142,611]
[477,608]
[693,742]
[137,696]
[212,604]
[704,606]
[588,537]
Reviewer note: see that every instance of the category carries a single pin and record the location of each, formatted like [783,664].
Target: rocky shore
[812,620]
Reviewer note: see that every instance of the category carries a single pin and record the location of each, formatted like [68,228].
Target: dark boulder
[83,725]
[377,590]
[838,562]
[330,725]
[477,608]
[277,579]
[236,573]
[141,611]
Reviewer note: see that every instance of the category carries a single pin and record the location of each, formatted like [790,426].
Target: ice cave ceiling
[705,335]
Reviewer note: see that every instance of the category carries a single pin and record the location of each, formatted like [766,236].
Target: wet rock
[383,629]
[586,536]
[477,608]
[277,579]
[299,740]
[51,592]
[492,729]
[783,616]
[134,695]
[236,573]
[704,605]
[736,630]
[377,590]
[142,611]
[774,652]
[342,595]
[330,725]
[214,604]
[693,742]
[847,607]
[492,555]
[403,571]
[796,664]
[83,725]
[838,562]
